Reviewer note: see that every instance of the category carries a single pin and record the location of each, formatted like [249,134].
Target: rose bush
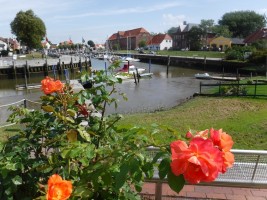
[73,137]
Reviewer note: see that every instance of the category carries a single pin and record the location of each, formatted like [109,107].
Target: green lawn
[208,54]
[245,119]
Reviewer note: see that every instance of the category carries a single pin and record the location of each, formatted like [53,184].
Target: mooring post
[25,75]
[54,72]
[15,71]
[149,66]
[135,79]
[168,64]
[106,71]
[137,74]
[59,67]
[45,68]
[80,65]
[205,62]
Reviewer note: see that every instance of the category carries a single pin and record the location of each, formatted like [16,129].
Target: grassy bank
[208,54]
[243,118]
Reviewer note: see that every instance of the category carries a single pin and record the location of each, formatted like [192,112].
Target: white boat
[131,69]
[202,76]
[126,59]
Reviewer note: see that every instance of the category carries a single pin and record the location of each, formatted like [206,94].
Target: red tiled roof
[260,34]
[113,37]
[157,39]
[128,33]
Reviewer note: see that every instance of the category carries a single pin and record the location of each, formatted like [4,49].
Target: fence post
[255,90]
[238,87]
[158,190]
[255,168]
[220,92]
[25,103]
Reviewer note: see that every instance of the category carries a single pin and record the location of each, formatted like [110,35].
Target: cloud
[173,20]
[263,11]
[150,8]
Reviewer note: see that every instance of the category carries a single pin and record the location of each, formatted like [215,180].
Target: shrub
[88,156]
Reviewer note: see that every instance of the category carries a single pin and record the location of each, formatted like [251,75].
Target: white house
[160,42]
[3,45]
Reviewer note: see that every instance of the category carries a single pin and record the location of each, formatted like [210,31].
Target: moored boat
[203,76]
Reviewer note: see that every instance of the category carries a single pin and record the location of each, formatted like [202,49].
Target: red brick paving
[207,192]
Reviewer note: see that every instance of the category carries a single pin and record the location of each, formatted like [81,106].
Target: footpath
[194,192]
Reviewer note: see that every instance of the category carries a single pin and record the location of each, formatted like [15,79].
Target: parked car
[141,51]
[152,52]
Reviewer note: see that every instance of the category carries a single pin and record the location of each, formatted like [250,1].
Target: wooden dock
[224,78]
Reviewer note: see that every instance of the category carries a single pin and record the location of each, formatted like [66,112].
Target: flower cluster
[49,85]
[204,157]
[58,189]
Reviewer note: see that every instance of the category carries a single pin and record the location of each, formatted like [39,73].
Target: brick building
[128,40]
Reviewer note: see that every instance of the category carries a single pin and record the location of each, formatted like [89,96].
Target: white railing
[249,170]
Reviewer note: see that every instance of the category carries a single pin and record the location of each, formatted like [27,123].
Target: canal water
[159,92]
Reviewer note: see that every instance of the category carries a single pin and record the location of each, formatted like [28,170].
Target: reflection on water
[7,86]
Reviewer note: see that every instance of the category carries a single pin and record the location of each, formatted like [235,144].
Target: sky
[96,20]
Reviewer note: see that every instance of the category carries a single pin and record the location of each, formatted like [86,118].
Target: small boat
[146,75]
[131,69]
[129,59]
[203,76]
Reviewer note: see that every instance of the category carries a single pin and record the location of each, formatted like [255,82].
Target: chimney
[184,23]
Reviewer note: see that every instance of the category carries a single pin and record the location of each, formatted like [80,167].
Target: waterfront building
[129,39]
[160,42]
[221,43]
[258,35]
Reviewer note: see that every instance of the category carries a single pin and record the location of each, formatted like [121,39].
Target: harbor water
[161,91]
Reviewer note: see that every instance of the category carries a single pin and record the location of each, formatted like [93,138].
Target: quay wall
[24,68]
[202,63]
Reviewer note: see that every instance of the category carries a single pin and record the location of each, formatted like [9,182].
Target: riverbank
[243,118]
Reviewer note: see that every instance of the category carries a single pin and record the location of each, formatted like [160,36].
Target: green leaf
[48,108]
[107,179]
[70,119]
[164,168]
[84,134]
[176,183]
[17,180]
[71,112]
[121,177]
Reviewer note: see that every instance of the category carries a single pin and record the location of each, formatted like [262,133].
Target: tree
[29,29]
[172,30]
[243,23]
[91,43]
[142,43]
[206,26]
[194,38]
[221,30]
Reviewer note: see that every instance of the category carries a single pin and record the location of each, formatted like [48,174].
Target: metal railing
[5,112]
[249,170]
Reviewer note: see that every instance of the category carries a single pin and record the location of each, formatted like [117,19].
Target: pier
[24,68]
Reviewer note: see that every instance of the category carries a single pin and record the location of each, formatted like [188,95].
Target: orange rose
[58,189]
[49,85]
[224,143]
[200,161]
